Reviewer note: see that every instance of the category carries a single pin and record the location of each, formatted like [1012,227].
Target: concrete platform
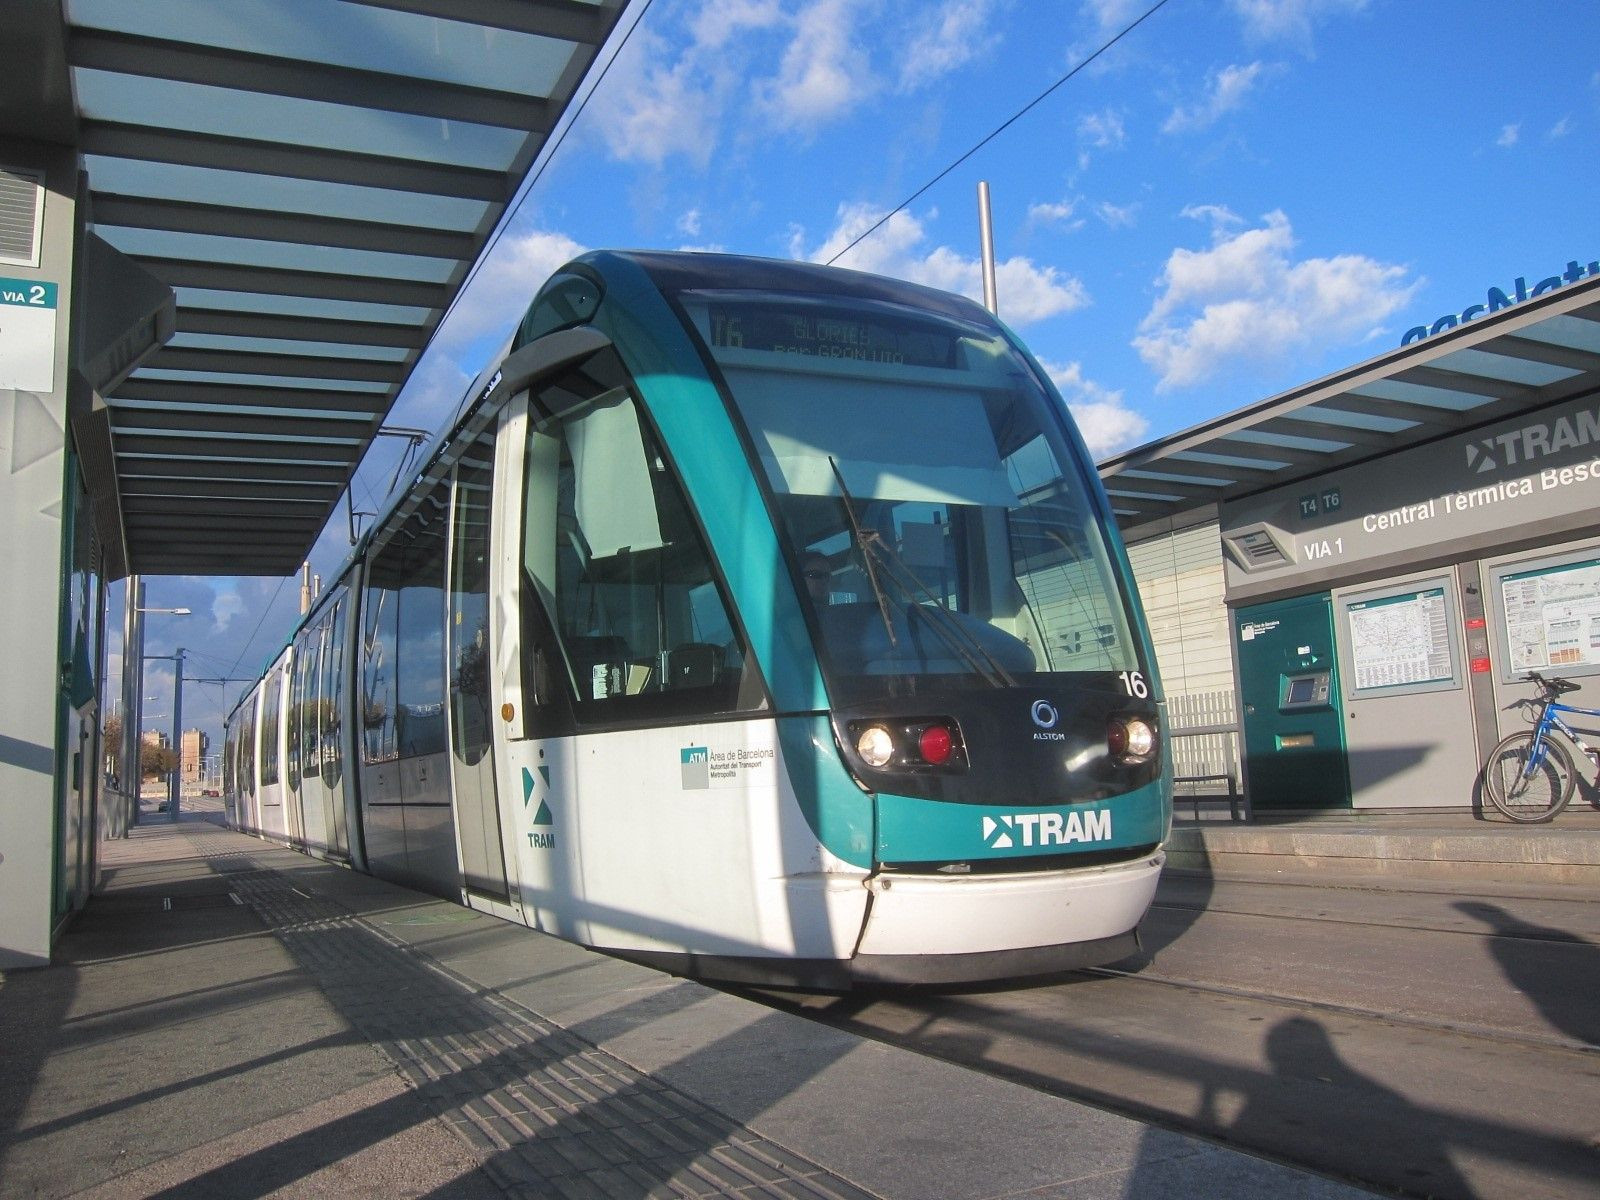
[230,1019]
[1444,844]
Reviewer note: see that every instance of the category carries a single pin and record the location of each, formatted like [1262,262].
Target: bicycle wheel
[1519,795]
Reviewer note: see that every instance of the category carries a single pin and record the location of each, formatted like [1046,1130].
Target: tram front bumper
[984,914]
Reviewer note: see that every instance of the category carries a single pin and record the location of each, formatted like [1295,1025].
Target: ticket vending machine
[1294,740]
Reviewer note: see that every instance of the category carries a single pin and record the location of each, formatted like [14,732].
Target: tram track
[1391,1038]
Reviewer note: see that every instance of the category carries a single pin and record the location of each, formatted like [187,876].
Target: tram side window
[247,746]
[612,551]
[469,610]
[332,704]
[230,747]
[419,644]
[272,705]
[295,684]
[380,606]
[402,675]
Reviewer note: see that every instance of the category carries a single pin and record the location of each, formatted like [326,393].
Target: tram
[756,620]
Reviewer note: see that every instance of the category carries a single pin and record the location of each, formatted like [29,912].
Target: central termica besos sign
[1484,484]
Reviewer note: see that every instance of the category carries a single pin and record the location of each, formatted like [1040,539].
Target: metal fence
[1203,733]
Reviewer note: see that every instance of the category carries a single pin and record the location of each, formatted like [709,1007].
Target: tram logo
[1047,829]
[539,839]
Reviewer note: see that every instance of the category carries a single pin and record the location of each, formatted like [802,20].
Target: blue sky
[1239,197]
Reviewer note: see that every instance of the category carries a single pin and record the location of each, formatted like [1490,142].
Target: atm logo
[695,762]
[1046,829]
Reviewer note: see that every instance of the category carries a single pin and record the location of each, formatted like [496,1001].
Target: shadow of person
[1289,1112]
[1557,970]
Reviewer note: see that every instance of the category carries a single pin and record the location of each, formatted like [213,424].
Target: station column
[38,235]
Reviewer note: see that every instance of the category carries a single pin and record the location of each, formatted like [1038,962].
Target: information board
[1399,640]
[1552,616]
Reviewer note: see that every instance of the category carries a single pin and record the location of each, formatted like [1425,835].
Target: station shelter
[224,242]
[1358,574]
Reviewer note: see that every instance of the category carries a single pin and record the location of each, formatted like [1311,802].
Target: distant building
[195,745]
[157,738]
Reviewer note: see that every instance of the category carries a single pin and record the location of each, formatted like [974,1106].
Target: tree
[111,744]
[156,760]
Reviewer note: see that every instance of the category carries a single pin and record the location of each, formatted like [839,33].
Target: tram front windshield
[935,510]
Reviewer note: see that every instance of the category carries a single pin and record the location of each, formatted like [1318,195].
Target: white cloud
[955,34]
[824,71]
[1226,90]
[501,292]
[689,223]
[667,107]
[1292,21]
[1560,129]
[1103,130]
[1508,135]
[1028,291]
[1116,216]
[1246,298]
[1061,213]
[1107,424]
[224,608]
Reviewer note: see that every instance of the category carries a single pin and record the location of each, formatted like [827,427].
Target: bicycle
[1529,775]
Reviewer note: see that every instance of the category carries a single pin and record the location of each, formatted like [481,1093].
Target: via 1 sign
[27,335]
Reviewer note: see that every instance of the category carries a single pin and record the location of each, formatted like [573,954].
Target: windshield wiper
[866,552]
[876,552]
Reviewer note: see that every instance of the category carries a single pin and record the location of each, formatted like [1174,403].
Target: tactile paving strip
[550,1114]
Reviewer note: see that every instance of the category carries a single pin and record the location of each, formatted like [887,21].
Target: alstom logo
[1533,442]
[1046,829]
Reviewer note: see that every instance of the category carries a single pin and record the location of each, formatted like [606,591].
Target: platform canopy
[313,179]
[1531,354]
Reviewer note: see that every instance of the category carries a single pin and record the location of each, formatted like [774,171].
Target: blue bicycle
[1529,775]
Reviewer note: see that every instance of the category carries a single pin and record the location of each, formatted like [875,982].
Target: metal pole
[133,708]
[991,299]
[176,784]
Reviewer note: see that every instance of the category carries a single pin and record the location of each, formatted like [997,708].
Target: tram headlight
[1130,740]
[875,745]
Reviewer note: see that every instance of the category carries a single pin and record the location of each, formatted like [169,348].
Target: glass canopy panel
[1354,420]
[162,374]
[218,435]
[1507,370]
[1416,393]
[1574,333]
[347,35]
[278,193]
[1158,497]
[1287,441]
[239,410]
[300,306]
[226,112]
[1171,477]
[288,256]
[255,345]
[1228,460]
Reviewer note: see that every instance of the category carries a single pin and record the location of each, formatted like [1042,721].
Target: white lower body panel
[977,914]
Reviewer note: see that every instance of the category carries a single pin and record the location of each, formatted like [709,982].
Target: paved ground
[1416,1037]
[231,1019]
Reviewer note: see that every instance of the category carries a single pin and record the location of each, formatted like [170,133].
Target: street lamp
[133,690]
[175,780]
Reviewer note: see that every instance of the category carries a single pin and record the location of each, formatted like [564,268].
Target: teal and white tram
[757,620]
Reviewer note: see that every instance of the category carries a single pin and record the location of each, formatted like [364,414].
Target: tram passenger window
[271,705]
[614,554]
[469,609]
[332,709]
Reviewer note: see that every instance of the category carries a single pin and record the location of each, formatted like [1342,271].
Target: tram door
[1294,739]
[483,860]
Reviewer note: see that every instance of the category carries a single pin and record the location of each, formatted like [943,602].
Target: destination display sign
[820,332]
